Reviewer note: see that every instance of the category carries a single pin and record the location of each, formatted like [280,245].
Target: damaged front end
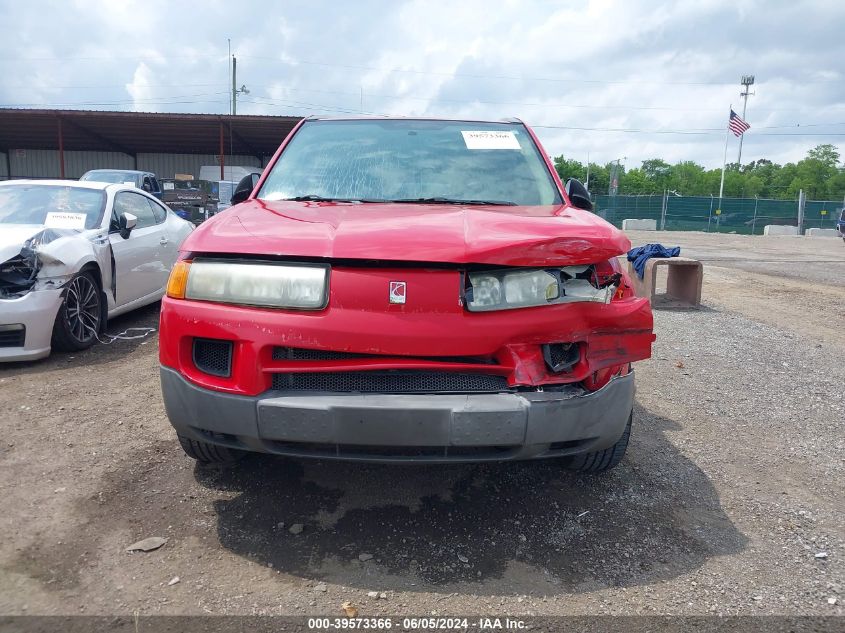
[37,265]
[505,328]
[18,274]
[45,261]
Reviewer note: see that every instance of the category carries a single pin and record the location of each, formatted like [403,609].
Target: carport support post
[61,149]
[222,149]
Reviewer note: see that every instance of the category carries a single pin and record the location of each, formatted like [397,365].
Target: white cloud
[637,65]
[140,88]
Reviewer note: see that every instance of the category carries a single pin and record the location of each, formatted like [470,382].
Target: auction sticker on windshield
[57,220]
[489,139]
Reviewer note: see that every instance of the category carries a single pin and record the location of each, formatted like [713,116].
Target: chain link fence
[704,213]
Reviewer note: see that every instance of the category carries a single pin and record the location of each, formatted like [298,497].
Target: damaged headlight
[265,284]
[525,288]
[17,275]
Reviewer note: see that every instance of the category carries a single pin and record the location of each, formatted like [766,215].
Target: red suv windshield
[412,160]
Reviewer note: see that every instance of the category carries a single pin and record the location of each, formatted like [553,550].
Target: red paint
[553,235]
[432,322]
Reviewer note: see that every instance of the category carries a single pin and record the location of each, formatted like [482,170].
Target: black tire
[601,461]
[209,453]
[80,317]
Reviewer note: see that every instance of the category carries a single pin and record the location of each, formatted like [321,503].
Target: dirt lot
[730,500]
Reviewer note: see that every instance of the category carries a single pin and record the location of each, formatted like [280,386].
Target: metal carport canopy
[142,132]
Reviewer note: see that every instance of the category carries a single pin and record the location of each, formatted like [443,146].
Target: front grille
[12,335]
[376,453]
[391,382]
[213,356]
[299,353]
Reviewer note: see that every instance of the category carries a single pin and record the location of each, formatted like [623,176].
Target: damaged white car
[72,255]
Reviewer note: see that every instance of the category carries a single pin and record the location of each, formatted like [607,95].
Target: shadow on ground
[459,527]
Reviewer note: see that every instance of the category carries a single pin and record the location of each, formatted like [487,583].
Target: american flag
[737,125]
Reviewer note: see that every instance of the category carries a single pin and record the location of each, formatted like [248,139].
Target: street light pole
[747,82]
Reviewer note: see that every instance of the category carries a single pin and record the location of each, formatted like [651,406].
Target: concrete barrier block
[779,229]
[683,282]
[639,225]
[821,233]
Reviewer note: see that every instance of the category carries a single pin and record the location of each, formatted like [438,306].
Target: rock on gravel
[147,545]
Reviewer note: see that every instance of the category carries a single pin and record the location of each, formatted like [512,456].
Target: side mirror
[126,222]
[578,195]
[244,188]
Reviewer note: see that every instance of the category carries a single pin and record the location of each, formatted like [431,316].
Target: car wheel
[600,461]
[209,453]
[80,315]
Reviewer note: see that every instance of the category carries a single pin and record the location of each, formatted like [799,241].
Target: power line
[122,85]
[176,99]
[701,132]
[470,101]
[269,101]
[290,61]
[315,106]
[637,82]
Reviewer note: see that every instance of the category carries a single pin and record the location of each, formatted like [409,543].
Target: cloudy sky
[634,78]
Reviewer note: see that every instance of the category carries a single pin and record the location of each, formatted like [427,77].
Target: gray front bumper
[406,427]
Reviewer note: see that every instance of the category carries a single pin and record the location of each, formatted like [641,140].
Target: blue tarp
[641,254]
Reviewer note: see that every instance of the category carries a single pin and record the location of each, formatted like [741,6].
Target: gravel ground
[730,500]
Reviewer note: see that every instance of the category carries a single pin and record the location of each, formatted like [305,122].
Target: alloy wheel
[82,309]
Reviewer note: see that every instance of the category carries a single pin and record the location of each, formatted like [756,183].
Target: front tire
[604,460]
[206,453]
[80,316]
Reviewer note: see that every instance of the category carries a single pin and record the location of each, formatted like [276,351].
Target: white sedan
[72,255]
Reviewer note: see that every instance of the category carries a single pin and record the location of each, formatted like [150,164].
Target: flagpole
[725,158]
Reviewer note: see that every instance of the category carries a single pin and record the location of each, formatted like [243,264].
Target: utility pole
[587,182]
[235,89]
[747,82]
[229,69]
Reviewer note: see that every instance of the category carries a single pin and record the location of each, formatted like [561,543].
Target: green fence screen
[704,213]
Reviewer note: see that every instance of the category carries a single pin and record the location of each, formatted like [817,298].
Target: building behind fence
[703,213]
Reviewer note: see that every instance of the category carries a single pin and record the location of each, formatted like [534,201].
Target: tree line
[819,174]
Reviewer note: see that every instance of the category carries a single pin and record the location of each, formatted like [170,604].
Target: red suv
[405,290]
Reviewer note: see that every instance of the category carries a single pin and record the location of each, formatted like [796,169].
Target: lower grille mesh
[390,382]
[213,356]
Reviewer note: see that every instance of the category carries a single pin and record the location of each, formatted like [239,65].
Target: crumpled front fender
[50,258]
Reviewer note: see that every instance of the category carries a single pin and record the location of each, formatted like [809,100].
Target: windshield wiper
[315,198]
[442,200]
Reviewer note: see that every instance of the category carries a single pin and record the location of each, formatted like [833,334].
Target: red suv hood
[502,236]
